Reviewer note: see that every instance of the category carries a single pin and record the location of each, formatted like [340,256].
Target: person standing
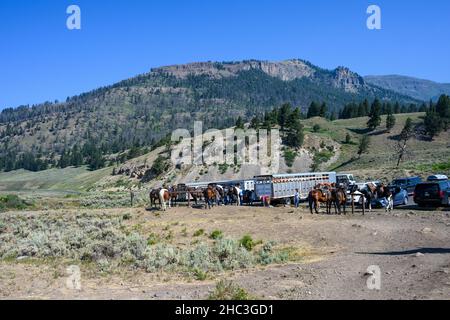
[297,198]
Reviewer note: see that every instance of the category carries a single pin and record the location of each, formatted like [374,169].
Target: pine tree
[375,115]
[323,110]
[390,122]
[283,115]
[239,123]
[313,110]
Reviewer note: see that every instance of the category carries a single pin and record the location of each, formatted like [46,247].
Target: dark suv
[436,193]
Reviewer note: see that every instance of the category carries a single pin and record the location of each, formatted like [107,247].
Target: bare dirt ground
[411,247]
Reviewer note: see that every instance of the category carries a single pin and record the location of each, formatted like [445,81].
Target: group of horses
[332,195]
[212,195]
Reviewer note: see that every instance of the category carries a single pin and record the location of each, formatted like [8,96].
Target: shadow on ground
[410,252]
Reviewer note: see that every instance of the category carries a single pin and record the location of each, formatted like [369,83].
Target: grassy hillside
[424,158]
[142,110]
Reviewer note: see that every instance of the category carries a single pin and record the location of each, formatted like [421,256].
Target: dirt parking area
[411,248]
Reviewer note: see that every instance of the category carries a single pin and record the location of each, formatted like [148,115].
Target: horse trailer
[247,184]
[283,186]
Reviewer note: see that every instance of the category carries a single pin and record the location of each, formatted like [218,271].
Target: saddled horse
[316,197]
[234,194]
[210,195]
[370,193]
[220,194]
[164,196]
[173,196]
[338,198]
[195,194]
[154,196]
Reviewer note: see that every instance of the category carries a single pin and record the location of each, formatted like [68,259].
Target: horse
[195,194]
[209,194]
[248,197]
[173,196]
[370,193]
[339,199]
[385,192]
[154,196]
[316,197]
[234,192]
[164,196]
[220,194]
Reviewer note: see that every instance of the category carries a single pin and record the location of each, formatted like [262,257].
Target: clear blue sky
[40,59]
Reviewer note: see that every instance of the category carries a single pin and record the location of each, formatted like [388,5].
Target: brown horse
[316,197]
[210,196]
[339,199]
[195,194]
[164,196]
[234,194]
[154,196]
[173,193]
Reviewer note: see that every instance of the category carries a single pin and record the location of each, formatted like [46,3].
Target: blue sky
[40,59]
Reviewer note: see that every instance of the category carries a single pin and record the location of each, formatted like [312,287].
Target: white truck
[283,186]
[345,179]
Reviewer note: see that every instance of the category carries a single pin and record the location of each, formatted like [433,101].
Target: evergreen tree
[239,123]
[375,115]
[283,115]
[390,122]
[76,158]
[323,110]
[313,110]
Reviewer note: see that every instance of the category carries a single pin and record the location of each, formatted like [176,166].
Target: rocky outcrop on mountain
[345,79]
[284,70]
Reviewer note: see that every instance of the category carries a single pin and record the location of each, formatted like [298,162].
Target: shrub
[103,240]
[247,242]
[289,157]
[216,234]
[12,202]
[199,233]
[316,128]
[227,290]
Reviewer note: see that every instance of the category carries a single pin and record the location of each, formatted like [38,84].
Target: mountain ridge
[142,110]
[417,88]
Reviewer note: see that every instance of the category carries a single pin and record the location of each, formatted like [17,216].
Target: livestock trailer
[247,184]
[283,186]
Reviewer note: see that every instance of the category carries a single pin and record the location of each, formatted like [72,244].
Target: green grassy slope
[424,158]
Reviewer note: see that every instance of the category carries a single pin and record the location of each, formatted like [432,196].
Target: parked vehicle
[438,177]
[283,186]
[433,193]
[358,195]
[345,179]
[409,184]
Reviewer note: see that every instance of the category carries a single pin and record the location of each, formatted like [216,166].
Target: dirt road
[410,247]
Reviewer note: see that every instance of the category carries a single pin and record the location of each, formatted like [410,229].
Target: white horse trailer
[283,186]
[248,184]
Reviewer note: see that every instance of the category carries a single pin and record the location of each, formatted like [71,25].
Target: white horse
[164,196]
